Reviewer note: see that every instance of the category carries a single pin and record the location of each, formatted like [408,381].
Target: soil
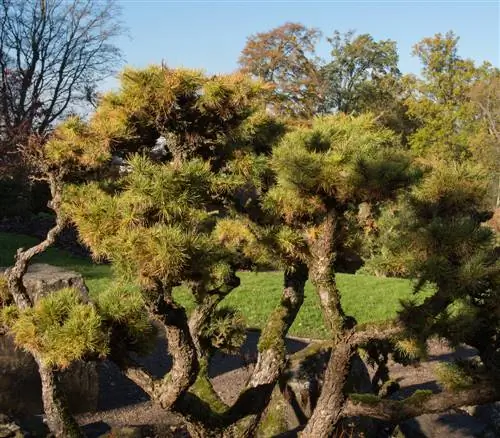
[121,403]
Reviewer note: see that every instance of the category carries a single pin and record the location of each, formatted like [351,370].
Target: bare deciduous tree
[52,52]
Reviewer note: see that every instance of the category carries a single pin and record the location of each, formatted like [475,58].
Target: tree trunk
[328,410]
[271,359]
[16,274]
[180,345]
[60,421]
[323,276]
[171,387]
[331,402]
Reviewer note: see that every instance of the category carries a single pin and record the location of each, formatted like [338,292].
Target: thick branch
[16,274]
[271,359]
[322,274]
[169,389]
[398,411]
[376,332]
[330,403]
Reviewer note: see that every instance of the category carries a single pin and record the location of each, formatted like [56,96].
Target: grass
[365,297]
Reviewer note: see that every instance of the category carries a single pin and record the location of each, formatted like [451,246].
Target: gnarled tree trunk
[331,402]
[60,421]
[323,276]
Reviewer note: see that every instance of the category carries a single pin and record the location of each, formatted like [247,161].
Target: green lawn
[365,297]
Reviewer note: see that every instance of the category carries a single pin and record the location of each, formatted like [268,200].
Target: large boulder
[20,386]
[42,279]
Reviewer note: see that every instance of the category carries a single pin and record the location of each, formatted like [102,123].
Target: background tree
[52,54]
[285,57]
[450,125]
[361,72]
[485,98]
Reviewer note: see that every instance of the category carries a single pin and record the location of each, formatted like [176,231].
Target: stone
[20,386]
[42,279]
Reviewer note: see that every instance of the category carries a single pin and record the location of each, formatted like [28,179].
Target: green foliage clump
[198,115]
[349,159]
[454,376]
[225,330]
[122,311]
[410,349]
[74,145]
[419,397]
[60,328]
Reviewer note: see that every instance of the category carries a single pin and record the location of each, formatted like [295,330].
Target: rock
[42,279]
[20,387]
[489,414]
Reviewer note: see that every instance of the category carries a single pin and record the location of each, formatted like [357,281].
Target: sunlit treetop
[338,161]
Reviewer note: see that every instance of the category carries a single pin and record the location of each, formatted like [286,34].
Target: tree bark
[330,403]
[271,358]
[323,276]
[60,421]
[397,411]
[167,390]
[16,273]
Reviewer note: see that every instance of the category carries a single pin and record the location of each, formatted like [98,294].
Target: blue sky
[211,34]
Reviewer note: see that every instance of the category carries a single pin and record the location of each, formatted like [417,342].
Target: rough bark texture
[271,359]
[330,404]
[16,273]
[397,411]
[322,274]
[59,419]
[167,390]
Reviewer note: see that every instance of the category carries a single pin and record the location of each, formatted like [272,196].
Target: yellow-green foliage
[4,291]
[411,349]
[226,330]
[74,144]
[338,157]
[453,186]
[453,377]
[201,113]
[122,308]
[60,328]
[419,397]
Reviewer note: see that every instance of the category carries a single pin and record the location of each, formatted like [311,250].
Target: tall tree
[52,55]
[285,57]
[453,105]
[360,74]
